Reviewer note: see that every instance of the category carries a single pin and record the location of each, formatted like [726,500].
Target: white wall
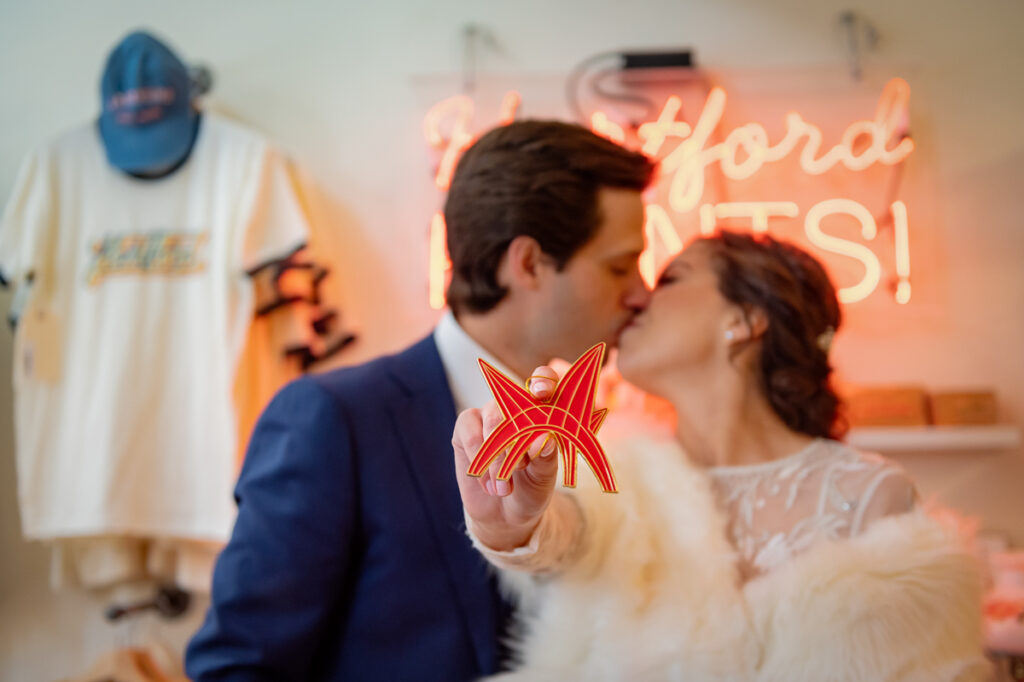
[334,84]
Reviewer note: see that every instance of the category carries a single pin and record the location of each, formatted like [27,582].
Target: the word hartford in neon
[686,153]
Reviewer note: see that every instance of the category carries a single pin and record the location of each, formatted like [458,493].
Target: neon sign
[685,154]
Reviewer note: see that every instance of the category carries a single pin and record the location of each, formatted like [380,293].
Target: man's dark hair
[535,178]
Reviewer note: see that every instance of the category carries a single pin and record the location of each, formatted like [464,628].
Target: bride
[751,543]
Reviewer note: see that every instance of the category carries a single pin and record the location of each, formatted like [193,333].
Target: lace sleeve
[826,491]
[889,493]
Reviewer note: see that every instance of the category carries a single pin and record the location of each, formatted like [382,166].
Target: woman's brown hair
[797,297]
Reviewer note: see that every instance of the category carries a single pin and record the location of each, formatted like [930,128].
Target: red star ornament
[569,417]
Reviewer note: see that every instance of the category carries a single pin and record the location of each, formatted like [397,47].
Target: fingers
[542,382]
[492,418]
[542,449]
[540,474]
[542,385]
[467,437]
[542,446]
[494,485]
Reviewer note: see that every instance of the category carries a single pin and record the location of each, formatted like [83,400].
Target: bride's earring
[729,335]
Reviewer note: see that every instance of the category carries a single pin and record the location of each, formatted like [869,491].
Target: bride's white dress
[817,566]
[826,491]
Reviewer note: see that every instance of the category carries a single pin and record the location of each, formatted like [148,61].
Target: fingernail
[489,487]
[544,449]
[502,488]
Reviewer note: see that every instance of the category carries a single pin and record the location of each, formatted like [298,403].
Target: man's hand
[504,514]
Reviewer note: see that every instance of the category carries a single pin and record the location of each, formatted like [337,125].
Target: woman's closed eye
[666,279]
[673,273]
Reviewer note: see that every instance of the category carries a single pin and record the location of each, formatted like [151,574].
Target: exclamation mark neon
[901,238]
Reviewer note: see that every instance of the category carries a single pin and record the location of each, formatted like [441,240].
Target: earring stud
[729,335]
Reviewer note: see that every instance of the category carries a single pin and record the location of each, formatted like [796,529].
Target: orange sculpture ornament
[569,417]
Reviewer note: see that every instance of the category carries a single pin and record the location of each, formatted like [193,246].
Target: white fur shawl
[654,594]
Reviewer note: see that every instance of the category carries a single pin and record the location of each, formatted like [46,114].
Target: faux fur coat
[653,594]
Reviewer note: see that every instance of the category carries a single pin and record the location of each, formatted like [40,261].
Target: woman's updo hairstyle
[796,296]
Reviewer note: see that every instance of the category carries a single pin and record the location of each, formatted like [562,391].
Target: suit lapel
[424,421]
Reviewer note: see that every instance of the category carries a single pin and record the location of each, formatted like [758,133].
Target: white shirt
[459,353]
[127,351]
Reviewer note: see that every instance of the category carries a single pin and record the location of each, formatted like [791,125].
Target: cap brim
[150,147]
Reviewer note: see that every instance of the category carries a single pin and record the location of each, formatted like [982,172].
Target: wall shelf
[889,439]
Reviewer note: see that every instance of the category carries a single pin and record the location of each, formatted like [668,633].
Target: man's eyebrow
[625,255]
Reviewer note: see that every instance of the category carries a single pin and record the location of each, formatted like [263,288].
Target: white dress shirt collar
[459,353]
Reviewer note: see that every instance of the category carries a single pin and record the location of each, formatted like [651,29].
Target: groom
[349,559]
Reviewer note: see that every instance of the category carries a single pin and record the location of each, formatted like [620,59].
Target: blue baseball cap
[147,122]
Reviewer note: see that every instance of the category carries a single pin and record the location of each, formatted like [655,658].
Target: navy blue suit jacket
[349,559]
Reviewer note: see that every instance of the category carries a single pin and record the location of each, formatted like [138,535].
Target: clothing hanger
[170,601]
[132,663]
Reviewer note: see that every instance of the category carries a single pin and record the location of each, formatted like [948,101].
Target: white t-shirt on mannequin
[127,349]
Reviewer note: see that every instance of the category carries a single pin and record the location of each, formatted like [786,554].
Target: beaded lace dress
[774,511]
[826,491]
